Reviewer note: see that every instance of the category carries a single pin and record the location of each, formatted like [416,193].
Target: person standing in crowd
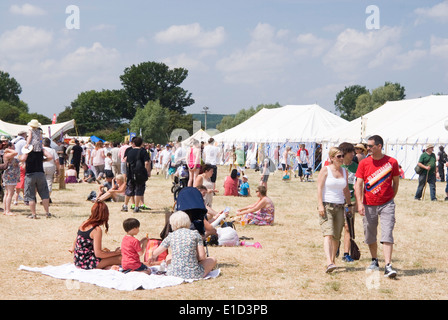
[136,189]
[348,151]
[77,156]
[35,181]
[193,159]
[116,161]
[360,152]
[442,159]
[121,153]
[11,176]
[51,167]
[97,159]
[332,194]
[377,181]
[427,162]
[211,158]
[302,160]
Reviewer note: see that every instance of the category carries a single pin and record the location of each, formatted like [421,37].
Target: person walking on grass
[377,181]
[332,194]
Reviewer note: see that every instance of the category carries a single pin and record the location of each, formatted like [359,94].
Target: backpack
[137,170]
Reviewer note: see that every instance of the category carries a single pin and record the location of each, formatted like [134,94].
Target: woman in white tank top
[332,194]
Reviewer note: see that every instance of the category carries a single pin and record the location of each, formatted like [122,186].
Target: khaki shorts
[333,221]
[386,213]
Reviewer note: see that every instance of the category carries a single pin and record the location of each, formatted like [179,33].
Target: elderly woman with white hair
[188,257]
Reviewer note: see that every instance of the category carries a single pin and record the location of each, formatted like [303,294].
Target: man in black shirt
[76,158]
[135,189]
[35,180]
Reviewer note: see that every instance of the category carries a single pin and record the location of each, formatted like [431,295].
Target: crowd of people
[355,178]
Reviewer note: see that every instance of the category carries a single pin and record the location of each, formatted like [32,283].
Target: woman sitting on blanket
[260,213]
[87,248]
[187,259]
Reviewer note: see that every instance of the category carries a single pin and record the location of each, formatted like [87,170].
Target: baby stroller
[190,201]
[180,179]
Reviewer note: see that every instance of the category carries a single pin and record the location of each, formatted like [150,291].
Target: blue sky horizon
[238,53]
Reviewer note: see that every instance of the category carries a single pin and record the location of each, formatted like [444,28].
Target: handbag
[418,169]
[354,250]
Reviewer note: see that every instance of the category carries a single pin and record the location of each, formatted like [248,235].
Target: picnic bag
[151,246]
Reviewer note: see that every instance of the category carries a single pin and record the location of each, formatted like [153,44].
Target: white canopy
[291,123]
[199,135]
[406,126]
[404,122]
[48,129]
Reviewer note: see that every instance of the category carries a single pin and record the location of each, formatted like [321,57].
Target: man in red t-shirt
[376,186]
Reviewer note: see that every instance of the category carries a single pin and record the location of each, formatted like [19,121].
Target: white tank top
[333,191]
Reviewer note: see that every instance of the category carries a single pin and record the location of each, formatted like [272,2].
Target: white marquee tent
[406,126]
[53,130]
[291,123]
[285,126]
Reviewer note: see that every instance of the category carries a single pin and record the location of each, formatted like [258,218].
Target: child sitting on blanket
[132,248]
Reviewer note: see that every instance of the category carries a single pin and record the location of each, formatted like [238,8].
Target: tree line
[152,103]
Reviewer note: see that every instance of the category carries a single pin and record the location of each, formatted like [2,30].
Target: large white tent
[50,130]
[291,123]
[406,126]
[281,127]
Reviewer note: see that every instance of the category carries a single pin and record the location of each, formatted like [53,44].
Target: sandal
[33,216]
[331,268]
[9,214]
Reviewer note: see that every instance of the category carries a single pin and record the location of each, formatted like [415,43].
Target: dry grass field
[290,265]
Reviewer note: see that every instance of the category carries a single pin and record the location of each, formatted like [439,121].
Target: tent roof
[199,135]
[54,129]
[411,121]
[294,123]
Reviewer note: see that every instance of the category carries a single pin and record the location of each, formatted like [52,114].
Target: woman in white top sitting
[332,196]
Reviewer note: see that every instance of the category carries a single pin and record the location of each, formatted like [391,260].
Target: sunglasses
[340,156]
[371,145]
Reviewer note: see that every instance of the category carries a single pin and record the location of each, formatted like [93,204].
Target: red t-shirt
[377,176]
[130,248]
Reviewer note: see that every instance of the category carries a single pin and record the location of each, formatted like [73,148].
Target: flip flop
[330,268]
[33,216]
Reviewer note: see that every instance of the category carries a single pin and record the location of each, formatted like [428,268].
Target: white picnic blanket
[113,279]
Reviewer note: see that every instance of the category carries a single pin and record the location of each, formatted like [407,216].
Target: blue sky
[238,53]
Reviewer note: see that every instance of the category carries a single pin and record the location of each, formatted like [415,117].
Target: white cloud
[439,47]
[184,61]
[438,12]
[355,49]
[24,41]
[262,59]
[84,61]
[191,34]
[27,10]
[310,45]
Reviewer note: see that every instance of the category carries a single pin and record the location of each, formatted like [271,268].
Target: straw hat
[361,146]
[429,145]
[34,123]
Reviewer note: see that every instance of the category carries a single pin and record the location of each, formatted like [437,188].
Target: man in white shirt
[210,155]
[19,142]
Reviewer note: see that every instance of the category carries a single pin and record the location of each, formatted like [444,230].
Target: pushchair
[190,201]
[180,179]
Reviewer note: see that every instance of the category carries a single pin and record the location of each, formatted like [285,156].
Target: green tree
[93,110]
[151,81]
[153,121]
[345,101]
[368,102]
[10,89]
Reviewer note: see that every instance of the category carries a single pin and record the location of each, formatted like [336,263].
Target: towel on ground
[113,279]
